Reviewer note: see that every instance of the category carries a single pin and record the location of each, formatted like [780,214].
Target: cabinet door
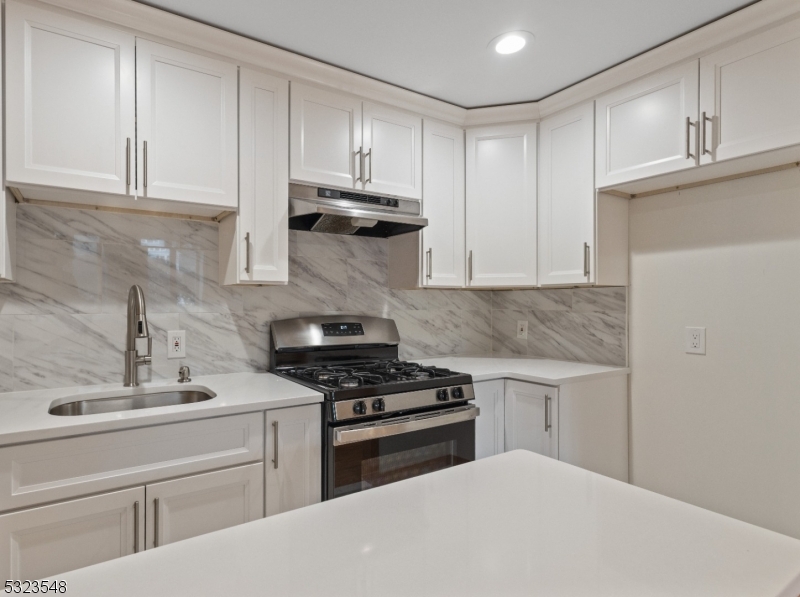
[44,542]
[489,426]
[443,204]
[648,127]
[566,197]
[192,506]
[294,458]
[751,93]
[186,109]
[501,206]
[392,151]
[531,413]
[70,93]
[8,226]
[254,245]
[325,137]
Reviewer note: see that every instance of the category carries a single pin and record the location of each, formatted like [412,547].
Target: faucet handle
[183,374]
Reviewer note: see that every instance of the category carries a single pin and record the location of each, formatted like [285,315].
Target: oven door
[373,454]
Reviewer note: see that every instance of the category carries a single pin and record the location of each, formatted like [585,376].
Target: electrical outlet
[176,344]
[522,329]
[695,340]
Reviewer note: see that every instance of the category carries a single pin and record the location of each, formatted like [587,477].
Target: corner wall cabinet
[501,206]
[584,423]
[566,197]
[749,93]
[254,244]
[338,140]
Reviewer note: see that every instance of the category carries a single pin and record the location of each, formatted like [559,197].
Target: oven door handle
[353,435]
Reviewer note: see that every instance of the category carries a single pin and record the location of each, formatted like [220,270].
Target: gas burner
[421,374]
[347,383]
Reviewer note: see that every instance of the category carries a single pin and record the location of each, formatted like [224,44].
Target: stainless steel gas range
[385,420]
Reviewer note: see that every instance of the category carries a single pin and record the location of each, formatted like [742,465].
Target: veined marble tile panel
[152,268]
[197,289]
[6,354]
[476,332]
[224,343]
[54,276]
[467,300]
[587,337]
[368,290]
[310,244]
[504,332]
[427,333]
[555,299]
[608,300]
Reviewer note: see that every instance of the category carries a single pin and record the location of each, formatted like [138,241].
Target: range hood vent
[335,211]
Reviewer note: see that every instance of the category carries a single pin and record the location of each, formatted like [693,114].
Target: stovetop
[358,379]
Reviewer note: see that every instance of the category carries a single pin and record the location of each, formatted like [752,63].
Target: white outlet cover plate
[695,340]
[522,329]
[176,344]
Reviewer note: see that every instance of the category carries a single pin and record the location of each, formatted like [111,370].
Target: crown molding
[154,22]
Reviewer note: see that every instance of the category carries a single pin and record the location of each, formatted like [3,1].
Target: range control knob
[378,405]
[442,395]
[458,393]
[360,408]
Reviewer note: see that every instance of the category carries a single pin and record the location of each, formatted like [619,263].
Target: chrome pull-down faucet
[137,328]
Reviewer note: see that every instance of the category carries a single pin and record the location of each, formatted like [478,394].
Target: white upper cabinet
[254,245]
[293,458]
[190,506]
[490,425]
[70,112]
[648,127]
[186,107]
[443,178]
[46,541]
[750,91]
[325,137]
[392,146]
[566,197]
[501,205]
[531,413]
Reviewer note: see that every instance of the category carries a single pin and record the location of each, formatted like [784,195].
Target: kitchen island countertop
[513,524]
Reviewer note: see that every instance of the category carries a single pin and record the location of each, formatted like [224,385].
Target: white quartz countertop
[24,416]
[513,524]
[543,371]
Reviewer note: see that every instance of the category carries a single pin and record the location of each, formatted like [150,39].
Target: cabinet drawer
[60,469]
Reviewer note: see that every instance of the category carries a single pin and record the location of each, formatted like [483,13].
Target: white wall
[721,431]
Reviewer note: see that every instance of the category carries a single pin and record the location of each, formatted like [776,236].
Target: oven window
[376,462]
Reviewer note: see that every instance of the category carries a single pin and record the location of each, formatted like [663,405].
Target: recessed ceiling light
[509,43]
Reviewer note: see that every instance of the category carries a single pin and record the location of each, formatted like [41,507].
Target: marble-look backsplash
[63,322]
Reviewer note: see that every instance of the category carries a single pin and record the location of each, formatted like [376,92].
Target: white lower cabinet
[46,541]
[191,506]
[531,418]
[293,458]
[490,424]
[583,423]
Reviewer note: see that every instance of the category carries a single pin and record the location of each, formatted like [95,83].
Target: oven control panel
[354,409]
[342,329]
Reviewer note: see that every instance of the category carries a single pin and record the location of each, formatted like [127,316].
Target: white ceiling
[439,47]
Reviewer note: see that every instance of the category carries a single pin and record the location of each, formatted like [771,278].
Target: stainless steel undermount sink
[89,405]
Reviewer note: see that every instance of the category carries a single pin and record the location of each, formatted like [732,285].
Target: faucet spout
[137,328]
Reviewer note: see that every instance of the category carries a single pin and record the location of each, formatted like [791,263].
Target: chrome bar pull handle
[689,125]
[144,166]
[547,413]
[155,522]
[136,527]
[706,119]
[357,156]
[128,163]
[430,264]
[275,444]
[368,155]
[247,254]
[586,259]
[469,267]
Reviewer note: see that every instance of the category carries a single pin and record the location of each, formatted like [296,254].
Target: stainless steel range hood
[338,211]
